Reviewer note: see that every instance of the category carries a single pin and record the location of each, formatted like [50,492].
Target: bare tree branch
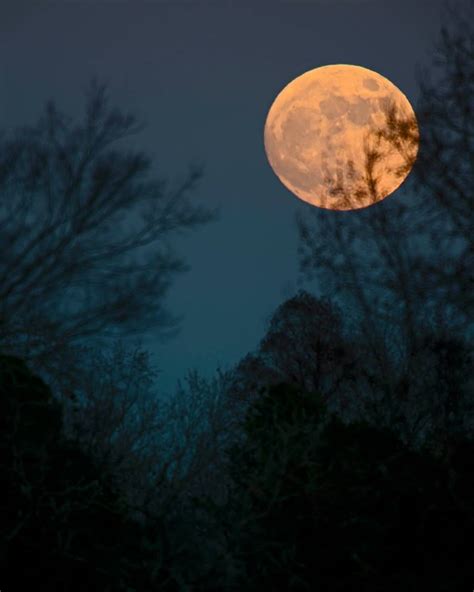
[86,231]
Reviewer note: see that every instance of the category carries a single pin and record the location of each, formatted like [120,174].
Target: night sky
[202,75]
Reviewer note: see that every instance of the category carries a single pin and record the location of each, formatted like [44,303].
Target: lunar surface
[341,137]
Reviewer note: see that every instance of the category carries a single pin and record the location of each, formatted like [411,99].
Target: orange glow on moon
[341,137]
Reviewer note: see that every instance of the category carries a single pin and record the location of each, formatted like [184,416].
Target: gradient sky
[203,74]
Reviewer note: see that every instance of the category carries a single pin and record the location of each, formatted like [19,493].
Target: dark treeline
[338,455]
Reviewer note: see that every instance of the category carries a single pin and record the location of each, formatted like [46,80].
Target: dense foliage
[63,527]
[335,506]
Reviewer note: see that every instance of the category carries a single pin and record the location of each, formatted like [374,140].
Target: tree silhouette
[445,175]
[402,267]
[85,231]
[64,526]
[112,410]
[304,346]
[326,505]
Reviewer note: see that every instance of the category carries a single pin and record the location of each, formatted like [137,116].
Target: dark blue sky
[203,76]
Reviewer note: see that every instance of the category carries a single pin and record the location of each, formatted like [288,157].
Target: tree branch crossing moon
[341,137]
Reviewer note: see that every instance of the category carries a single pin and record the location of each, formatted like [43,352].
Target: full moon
[341,137]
